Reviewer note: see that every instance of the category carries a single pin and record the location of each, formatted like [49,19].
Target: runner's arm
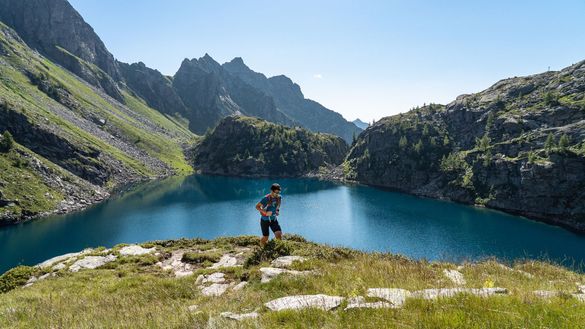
[260,208]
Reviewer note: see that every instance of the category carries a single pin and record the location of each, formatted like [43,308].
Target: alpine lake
[355,216]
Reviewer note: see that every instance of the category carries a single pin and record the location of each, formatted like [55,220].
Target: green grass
[18,181]
[133,292]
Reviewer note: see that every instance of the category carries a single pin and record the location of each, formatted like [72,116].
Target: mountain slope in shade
[211,93]
[360,124]
[57,30]
[289,99]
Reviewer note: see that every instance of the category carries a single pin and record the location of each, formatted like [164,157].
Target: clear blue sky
[365,59]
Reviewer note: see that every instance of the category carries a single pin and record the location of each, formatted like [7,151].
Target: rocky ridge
[517,146]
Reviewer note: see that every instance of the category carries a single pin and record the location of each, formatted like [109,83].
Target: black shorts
[273,224]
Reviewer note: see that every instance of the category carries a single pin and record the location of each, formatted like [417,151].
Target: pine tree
[418,146]
[549,144]
[564,142]
[403,143]
[7,142]
[446,140]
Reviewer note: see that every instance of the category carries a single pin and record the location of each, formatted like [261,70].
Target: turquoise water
[354,216]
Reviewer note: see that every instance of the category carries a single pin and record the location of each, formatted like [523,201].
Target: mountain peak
[237,65]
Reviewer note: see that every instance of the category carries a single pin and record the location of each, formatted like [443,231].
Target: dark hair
[274,187]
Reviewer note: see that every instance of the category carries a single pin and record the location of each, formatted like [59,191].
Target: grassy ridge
[51,97]
[133,292]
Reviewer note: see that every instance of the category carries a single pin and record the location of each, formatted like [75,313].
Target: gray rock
[455,276]
[216,289]
[450,292]
[175,264]
[227,261]
[58,267]
[359,302]
[91,262]
[135,250]
[545,293]
[269,273]
[581,288]
[299,302]
[240,286]
[286,261]
[192,308]
[217,277]
[240,317]
[181,274]
[580,297]
[62,258]
[396,296]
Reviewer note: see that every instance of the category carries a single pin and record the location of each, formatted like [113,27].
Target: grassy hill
[162,288]
[91,139]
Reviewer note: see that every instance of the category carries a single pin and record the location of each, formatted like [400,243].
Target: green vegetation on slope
[135,292]
[249,146]
[77,127]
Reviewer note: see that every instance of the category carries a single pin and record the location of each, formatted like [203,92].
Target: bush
[271,251]
[198,258]
[7,142]
[15,278]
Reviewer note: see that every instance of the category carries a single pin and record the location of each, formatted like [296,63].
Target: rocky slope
[517,146]
[73,141]
[231,282]
[55,28]
[211,94]
[245,146]
[290,100]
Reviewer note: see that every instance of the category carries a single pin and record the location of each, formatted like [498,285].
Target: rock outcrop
[517,146]
[55,29]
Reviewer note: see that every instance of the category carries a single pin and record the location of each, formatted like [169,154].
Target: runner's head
[275,188]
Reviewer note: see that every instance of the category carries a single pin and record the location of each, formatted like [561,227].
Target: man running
[269,208]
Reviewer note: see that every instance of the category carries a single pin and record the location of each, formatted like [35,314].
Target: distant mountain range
[202,91]
[360,124]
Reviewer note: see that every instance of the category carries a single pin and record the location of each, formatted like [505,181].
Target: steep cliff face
[55,28]
[290,100]
[517,146]
[253,147]
[211,93]
[155,88]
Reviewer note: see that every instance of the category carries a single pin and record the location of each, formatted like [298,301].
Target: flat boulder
[216,289]
[62,258]
[227,261]
[299,302]
[286,261]
[269,273]
[455,276]
[360,302]
[91,262]
[135,250]
[239,317]
[217,277]
[450,292]
[396,296]
[240,286]
[545,293]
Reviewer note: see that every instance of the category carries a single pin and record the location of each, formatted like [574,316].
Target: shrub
[7,142]
[199,258]
[15,278]
[271,251]
[549,144]
[564,142]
